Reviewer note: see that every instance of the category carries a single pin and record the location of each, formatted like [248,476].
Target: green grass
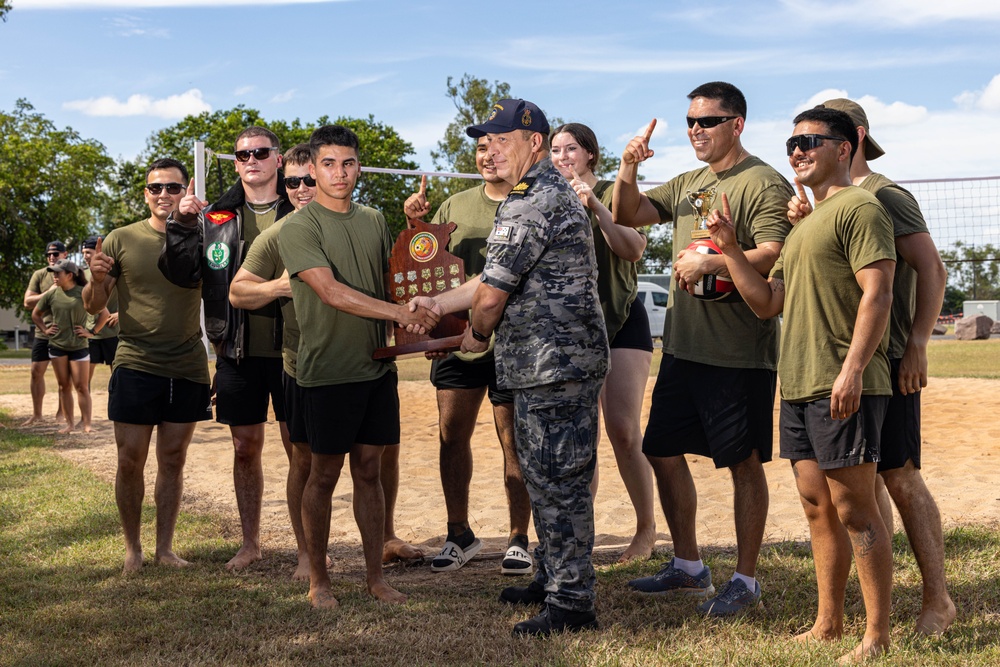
[11,353]
[964,358]
[64,601]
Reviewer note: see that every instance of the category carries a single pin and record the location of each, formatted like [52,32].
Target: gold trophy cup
[701,201]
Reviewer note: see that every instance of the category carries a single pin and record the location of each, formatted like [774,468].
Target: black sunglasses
[52,254]
[292,182]
[705,122]
[172,188]
[808,142]
[259,153]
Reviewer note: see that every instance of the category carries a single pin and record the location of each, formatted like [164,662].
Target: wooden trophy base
[700,234]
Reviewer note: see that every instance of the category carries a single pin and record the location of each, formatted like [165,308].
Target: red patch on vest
[219,217]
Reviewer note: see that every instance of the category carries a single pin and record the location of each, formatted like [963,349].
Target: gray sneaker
[734,598]
[673,580]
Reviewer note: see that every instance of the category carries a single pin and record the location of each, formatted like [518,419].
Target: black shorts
[102,350]
[137,397]
[901,429]
[243,389]
[453,373]
[74,355]
[809,432]
[634,333]
[339,416]
[40,350]
[295,420]
[723,413]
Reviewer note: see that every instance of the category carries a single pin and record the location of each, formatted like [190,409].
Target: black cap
[509,115]
[91,242]
[56,246]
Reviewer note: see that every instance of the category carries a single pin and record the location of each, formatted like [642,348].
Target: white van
[654,298]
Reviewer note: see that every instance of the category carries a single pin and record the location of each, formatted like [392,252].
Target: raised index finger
[100,244]
[649,130]
[725,207]
[802,191]
[423,184]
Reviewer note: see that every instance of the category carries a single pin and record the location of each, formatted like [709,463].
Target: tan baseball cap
[858,117]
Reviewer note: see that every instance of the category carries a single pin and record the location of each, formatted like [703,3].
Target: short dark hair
[583,136]
[258,131]
[838,124]
[332,135]
[168,163]
[298,155]
[728,95]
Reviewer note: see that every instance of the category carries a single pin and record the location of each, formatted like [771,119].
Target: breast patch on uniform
[502,233]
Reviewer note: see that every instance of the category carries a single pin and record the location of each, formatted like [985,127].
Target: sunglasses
[52,254]
[258,153]
[293,182]
[808,142]
[706,122]
[172,188]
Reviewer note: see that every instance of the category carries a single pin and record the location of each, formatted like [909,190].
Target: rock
[940,330]
[996,328]
[976,327]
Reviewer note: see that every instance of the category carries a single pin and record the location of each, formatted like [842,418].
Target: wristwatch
[478,336]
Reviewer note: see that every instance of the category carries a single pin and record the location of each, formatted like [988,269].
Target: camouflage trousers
[556,431]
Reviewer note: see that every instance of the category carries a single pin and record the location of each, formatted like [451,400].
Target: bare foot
[396,549]
[383,592]
[864,651]
[815,635]
[322,598]
[34,419]
[87,428]
[243,558]
[171,559]
[302,569]
[68,428]
[79,424]
[641,547]
[935,620]
[133,562]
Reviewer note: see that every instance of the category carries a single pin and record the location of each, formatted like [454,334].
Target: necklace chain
[742,150]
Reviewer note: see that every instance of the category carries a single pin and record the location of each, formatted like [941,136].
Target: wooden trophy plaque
[420,265]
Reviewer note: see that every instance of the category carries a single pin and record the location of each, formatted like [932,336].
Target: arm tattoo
[864,541]
[778,286]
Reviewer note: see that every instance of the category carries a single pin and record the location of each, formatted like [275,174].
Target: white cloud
[986,99]
[879,113]
[244,90]
[344,86]
[146,4]
[887,13]
[174,106]
[133,26]
[659,132]
[286,96]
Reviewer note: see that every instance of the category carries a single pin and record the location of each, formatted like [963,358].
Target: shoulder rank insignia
[522,187]
[219,217]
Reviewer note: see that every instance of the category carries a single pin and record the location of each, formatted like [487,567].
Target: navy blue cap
[55,246]
[91,242]
[510,115]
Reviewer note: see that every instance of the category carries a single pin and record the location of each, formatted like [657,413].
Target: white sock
[749,581]
[692,567]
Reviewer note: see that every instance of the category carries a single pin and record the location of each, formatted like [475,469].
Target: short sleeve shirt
[617,278]
[845,233]
[724,333]
[906,219]
[541,252]
[41,280]
[260,322]
[67,311]
[159,322]
[264,261]
[336,347]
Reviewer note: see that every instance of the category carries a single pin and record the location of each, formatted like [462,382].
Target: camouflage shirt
[541,252]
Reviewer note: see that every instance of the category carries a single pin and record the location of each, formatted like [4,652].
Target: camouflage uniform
[552,351]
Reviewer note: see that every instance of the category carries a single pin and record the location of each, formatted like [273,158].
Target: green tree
[974,270]
[5,7]
[51,187]
[659,250]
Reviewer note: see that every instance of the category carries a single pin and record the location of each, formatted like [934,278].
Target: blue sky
[928,72]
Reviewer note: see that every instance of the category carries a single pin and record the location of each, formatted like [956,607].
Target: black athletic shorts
[723,413]
[74,355]
[243,389]
[138,397]
[339,416]
[40,350]
[453,373]
[901,429]
[295,420]
[809,432]
[102,350]
[634,333]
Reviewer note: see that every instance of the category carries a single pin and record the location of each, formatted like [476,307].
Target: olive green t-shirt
[261,322]
[67,311]
[41,281]
[724,333]
[336,347]
[160,323]
[845,233]
[617,278]
[264,261]
[906,219]
[107,331]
